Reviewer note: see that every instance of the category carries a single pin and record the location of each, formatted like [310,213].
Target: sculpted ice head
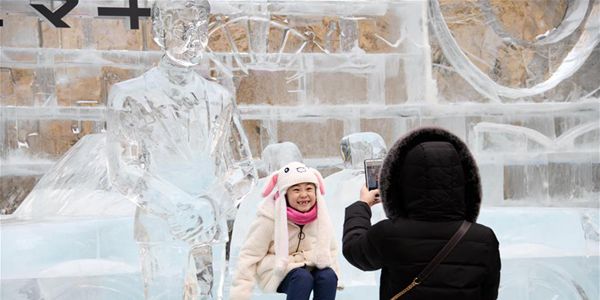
[180,28]
[357,147]
[275,156]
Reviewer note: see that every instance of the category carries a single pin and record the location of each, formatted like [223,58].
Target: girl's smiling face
[302,196]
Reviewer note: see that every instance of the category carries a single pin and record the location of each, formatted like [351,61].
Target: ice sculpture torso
[174,126]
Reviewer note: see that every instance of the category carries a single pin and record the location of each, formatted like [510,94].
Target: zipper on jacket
[300,237]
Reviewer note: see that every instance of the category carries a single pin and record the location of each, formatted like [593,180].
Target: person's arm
[255,248]
[359,242]
[492,281]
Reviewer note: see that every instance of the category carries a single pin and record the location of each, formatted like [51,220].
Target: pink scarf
[302,218]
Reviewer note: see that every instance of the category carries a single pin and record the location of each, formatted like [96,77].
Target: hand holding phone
[369,197]
[372,167]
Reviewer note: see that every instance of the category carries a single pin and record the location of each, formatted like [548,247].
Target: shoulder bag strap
[464,227]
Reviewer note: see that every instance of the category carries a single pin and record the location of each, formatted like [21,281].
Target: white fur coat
[257,259]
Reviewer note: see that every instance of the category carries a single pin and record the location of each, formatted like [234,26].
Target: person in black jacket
[429,184]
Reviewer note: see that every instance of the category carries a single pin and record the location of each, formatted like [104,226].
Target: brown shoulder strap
[464,227]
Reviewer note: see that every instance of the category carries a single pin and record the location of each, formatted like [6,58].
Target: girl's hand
[370,197]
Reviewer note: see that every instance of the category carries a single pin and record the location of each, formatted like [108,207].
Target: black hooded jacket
[429,184]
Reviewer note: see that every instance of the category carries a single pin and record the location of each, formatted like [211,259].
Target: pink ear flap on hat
[270,184]
[320,179]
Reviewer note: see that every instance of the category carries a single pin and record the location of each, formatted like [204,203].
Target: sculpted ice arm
[232,151]
[242,161]
[129,134]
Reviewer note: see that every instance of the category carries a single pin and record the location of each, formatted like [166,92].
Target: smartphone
[372,167]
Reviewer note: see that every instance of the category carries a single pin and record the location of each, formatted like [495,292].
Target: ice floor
[550,254]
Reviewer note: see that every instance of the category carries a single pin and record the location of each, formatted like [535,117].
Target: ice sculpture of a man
[178,151]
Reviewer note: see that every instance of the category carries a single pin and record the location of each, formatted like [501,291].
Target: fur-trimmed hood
[444,181]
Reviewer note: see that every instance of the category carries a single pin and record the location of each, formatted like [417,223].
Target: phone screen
[372,167]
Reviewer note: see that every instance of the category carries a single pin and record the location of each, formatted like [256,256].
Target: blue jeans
[299,282]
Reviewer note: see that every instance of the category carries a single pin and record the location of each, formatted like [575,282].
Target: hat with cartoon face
[292,174]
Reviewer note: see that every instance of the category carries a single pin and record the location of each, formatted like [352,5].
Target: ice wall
[327,67]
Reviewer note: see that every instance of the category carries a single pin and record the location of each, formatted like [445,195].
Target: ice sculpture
[275,156]
[361,65]
[75,216]
[576,57]
[357,147]
[538,163]
[552,255]
[547,252]
[343,189]
[76,186]
[176,148]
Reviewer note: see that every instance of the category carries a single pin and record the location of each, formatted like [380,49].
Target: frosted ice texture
[84,227]
[552,255]
[76,186]
[176,148]
[573,61]
[71,258]
[357,147]
[543,168]
[343,189]
[277,155]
